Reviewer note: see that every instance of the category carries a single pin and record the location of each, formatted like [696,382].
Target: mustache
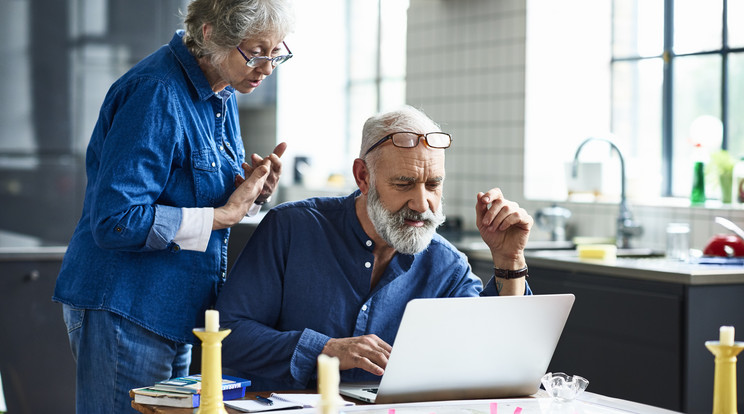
[429,217]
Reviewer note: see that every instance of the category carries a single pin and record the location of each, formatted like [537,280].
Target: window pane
[392,94]
[639,28]
[362,105]
[697,25]
[393,38]
[697,109]
[735,27]
[636,118]
[736,105]
[363,40]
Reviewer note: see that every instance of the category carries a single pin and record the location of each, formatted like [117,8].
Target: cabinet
[643,340]
[37,368]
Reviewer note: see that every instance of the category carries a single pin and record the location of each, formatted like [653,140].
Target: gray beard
[392,227]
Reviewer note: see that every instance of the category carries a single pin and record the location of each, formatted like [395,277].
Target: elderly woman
[166,181]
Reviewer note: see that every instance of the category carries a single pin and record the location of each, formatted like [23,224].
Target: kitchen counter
[32,253]
[652,268]
[15,246]
[657,269]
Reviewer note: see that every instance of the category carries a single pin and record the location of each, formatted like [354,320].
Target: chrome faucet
[626,227]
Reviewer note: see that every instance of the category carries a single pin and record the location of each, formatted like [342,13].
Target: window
[349,64]
[677,81]
[656,76]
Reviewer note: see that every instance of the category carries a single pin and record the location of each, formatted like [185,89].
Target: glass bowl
[563,387]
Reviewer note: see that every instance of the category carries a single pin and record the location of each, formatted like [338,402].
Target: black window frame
[669,56]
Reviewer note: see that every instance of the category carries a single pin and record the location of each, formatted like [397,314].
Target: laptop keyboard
[372,390]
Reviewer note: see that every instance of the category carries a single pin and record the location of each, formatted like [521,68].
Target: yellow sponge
[597,251]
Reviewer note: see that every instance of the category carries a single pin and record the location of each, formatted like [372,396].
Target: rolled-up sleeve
[133,168]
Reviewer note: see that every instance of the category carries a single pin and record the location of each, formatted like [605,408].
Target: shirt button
[223,275]
[364,307]
[118,229]
[213,164]
[219,114]
[225,240]
[367,265]
[222,148]
[368,243]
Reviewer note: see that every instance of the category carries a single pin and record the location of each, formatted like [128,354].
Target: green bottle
[697,196]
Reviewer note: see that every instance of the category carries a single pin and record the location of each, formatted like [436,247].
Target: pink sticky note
[391,411]
[518,410]
[494,407]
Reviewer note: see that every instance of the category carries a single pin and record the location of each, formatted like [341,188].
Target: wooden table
[595,403]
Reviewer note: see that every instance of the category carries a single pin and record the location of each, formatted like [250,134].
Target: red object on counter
[725,245]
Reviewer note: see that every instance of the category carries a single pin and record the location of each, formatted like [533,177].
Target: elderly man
[333,275]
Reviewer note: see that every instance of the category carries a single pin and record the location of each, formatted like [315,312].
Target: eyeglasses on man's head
[256,61]
[412,139]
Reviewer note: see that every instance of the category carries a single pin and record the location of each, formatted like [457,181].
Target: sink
[633,253]
[640,252]
[475,243]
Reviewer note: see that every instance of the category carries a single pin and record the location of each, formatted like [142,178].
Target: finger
[238,180]
[375,365]
[276,162]
[491,195]
[279,149]
[480,208]
[494,213]
[258,175]
[519,218]
[378,351]
[503,215]
[384,346]
[256,159]
[512,215]
[484,213]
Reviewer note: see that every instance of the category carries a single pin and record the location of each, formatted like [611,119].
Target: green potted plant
[721,167]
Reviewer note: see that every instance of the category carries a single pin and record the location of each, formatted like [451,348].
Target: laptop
[469,348]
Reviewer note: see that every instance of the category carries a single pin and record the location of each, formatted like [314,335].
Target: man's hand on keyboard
[367,352]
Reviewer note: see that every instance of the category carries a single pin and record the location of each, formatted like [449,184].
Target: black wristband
[510,274]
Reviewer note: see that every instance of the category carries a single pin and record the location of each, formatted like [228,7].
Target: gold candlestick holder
[210,400]
[724,381]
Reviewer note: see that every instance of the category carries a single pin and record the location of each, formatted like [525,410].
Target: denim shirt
[164,140]
[304,278]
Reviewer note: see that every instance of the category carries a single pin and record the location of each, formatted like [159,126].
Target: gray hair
[232,21]
[407,118]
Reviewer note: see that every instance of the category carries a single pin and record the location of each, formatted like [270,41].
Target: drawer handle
[32,276]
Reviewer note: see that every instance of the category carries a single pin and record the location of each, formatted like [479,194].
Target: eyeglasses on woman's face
[412,139]
[256,61]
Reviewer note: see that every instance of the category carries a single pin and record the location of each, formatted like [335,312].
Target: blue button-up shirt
[304,278]
[164,140]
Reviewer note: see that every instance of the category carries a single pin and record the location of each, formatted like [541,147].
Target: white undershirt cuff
[196,228]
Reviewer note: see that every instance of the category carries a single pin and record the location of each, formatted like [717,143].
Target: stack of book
[184,392]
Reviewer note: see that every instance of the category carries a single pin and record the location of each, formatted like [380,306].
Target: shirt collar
[353,223]
[403,261]
[191,66]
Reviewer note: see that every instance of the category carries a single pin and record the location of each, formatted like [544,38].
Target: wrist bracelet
[510,274]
